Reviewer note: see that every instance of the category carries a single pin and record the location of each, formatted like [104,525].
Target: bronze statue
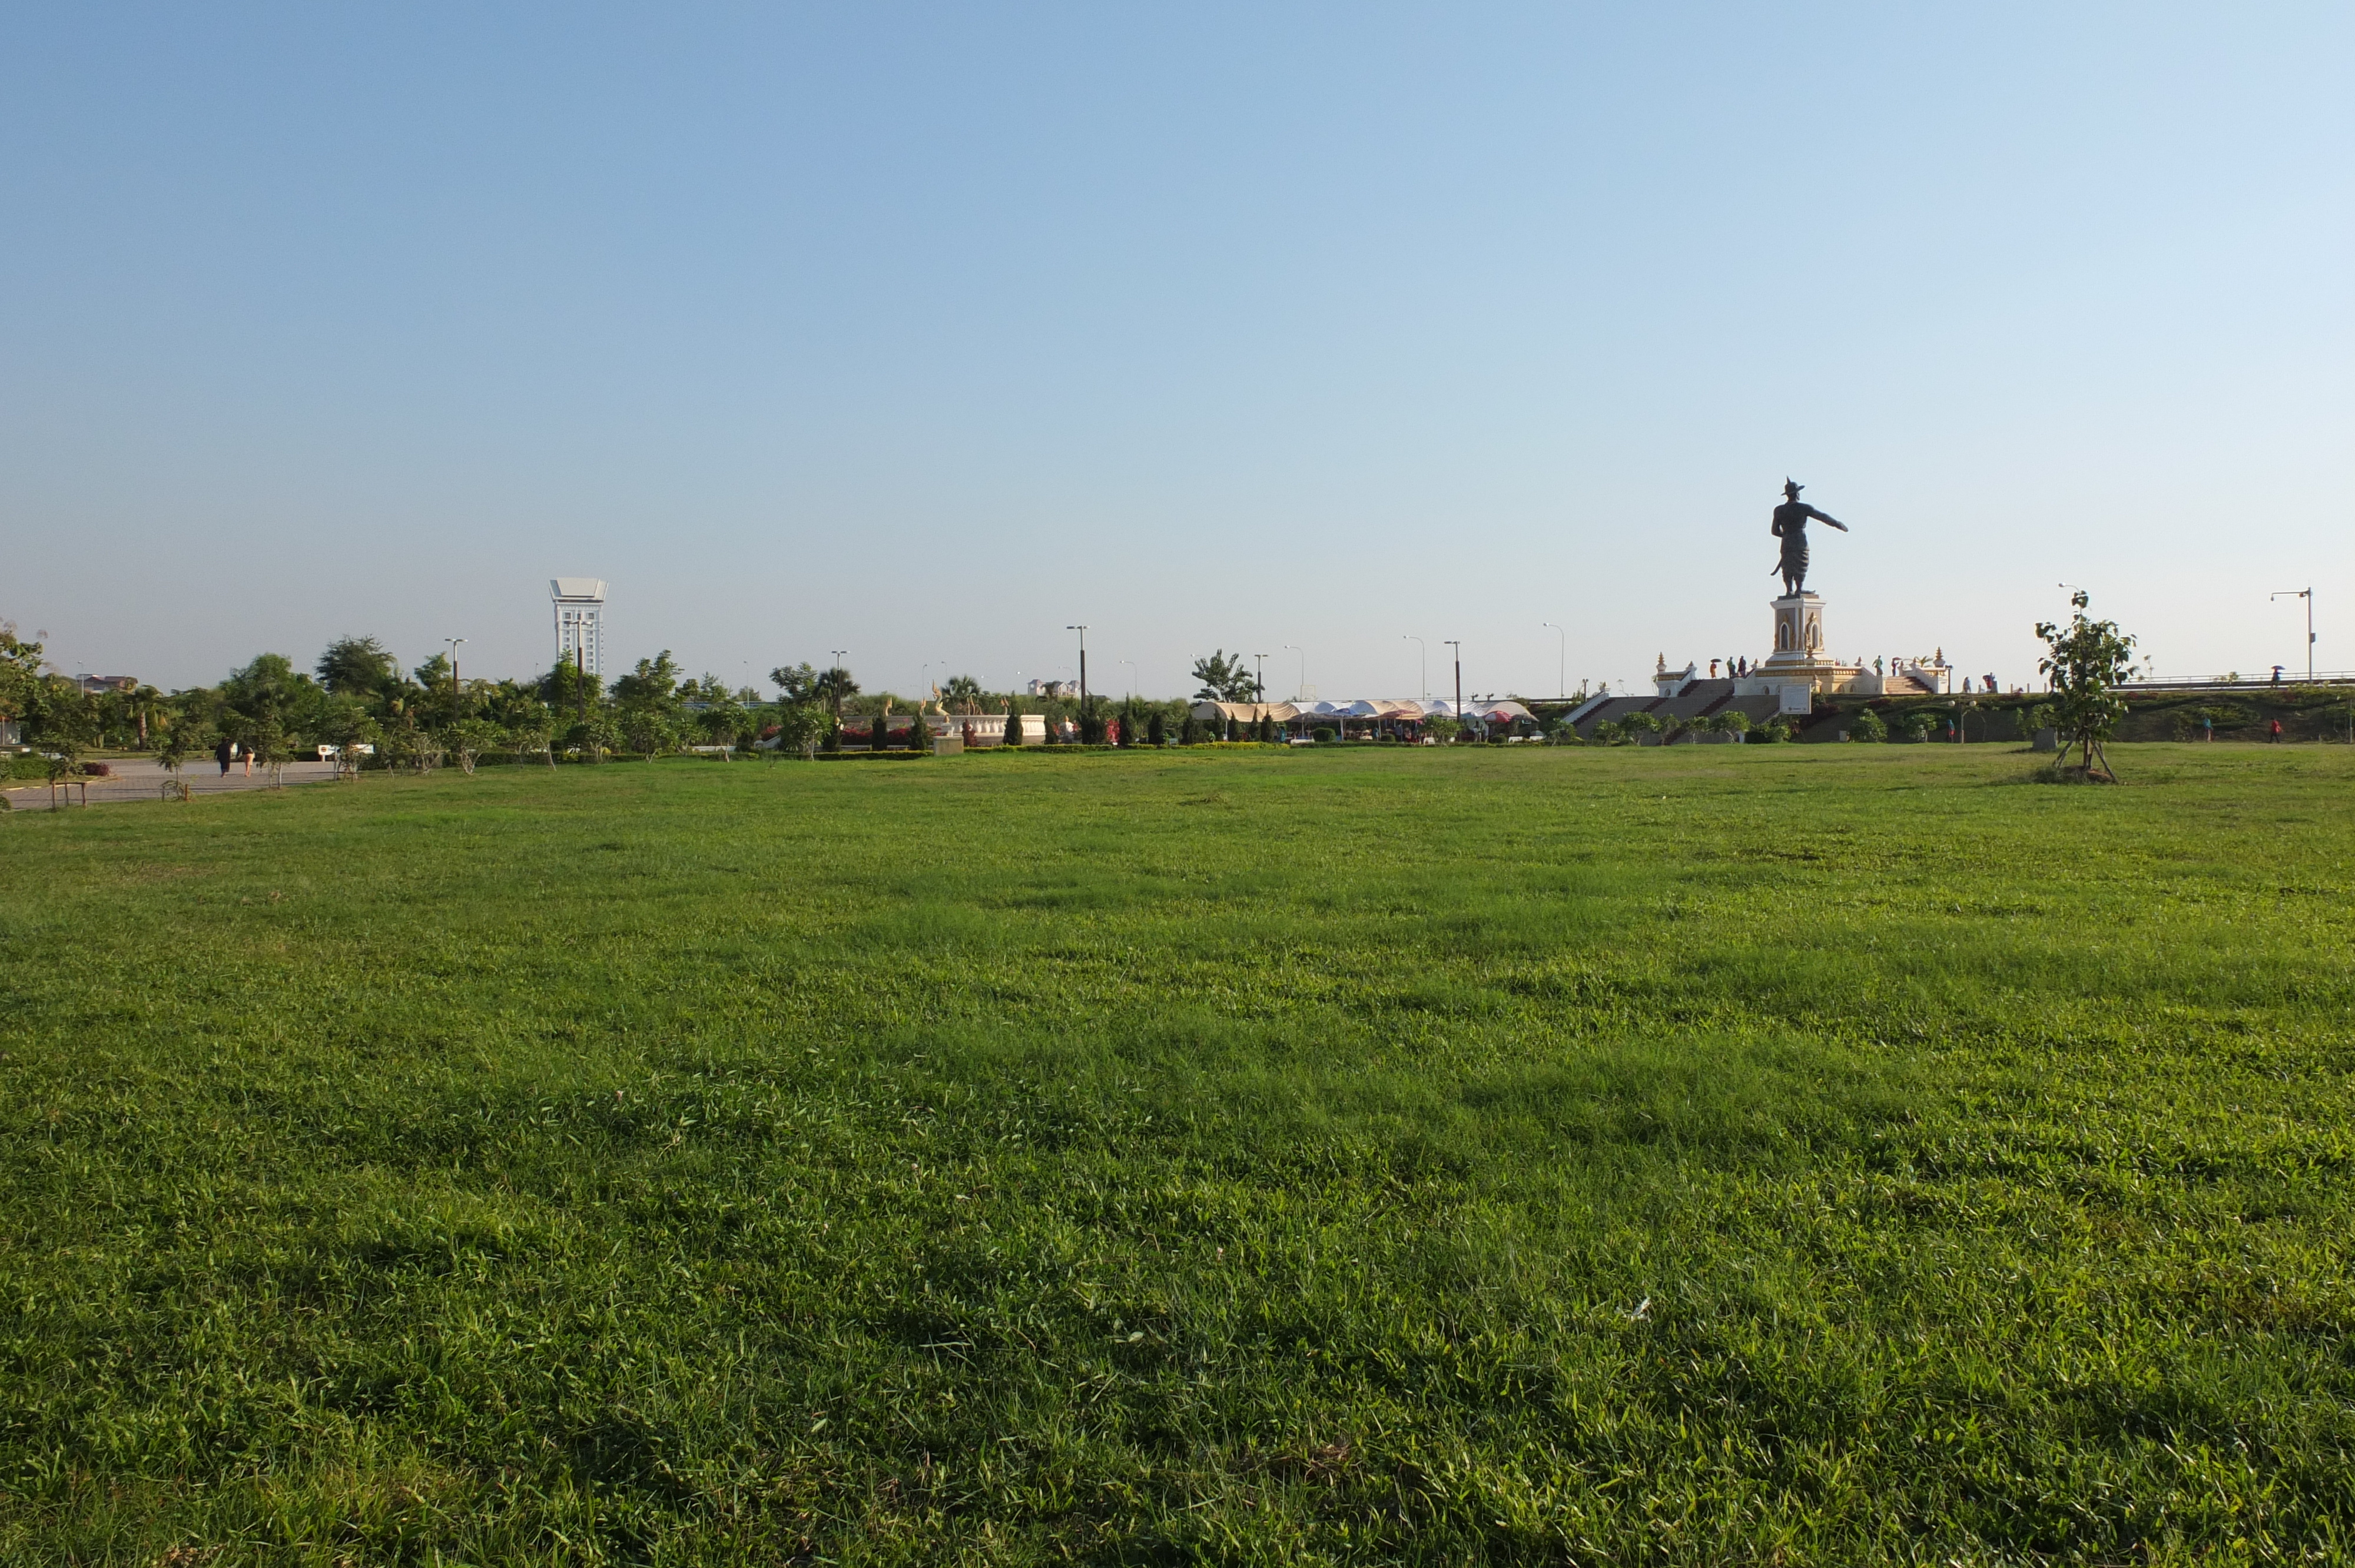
[1791,527]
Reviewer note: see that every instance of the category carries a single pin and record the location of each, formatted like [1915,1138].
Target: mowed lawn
[1809,1155]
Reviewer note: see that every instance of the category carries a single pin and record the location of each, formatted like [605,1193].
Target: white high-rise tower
[580,632]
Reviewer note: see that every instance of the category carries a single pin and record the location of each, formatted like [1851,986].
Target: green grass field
[1827,1155]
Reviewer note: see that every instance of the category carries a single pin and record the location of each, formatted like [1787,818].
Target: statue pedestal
[1799,667]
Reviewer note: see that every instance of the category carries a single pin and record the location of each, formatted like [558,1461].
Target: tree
[723,720]
[835,687]
[535,735]
[270,689]
[800,725]
[653,684]
[2086,661]
[796,682]
[349,728]
[1442,729]
[962,693]
[1157,729]
[569,689]
[185,736]
[20,673]
[64,725]
[1867,725]
[264,736]
[468,739]
[358,667]
[596,736]
[1224,679]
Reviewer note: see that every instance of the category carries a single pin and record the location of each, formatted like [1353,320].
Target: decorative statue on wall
[1790,525]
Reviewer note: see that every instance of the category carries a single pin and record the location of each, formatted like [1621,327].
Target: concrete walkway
[142,779]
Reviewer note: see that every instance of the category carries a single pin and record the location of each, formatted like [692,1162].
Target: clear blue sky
[927,331]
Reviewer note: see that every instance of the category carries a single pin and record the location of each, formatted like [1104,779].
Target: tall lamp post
[1458,643]
[1302,685]
[1259,677]
[457,693]
[1561,659]
[1132,677]
[1083,678]
[1423,662]
[2307,594]
[837,682]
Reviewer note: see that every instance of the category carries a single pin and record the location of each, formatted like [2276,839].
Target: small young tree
[265,739]
[2086,661]
[64,726]
[470,738]
[1639,724]
[349,729]
[1156,729]
[1735,722]
[184,736]
[1442,729]
[800,727]
[1867,725]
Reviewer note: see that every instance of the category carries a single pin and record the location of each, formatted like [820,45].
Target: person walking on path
[2207,727]
[224,753]
[2276,732]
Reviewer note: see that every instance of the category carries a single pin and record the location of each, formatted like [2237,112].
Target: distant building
[580,605]
[92,685]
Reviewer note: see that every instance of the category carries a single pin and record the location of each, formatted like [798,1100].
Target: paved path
[142,778]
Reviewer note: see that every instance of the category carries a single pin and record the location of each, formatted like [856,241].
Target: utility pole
[1561,660]
[2307,594]
[1422,661]
[1458,643]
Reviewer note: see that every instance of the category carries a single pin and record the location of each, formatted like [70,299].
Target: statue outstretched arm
[1827,517]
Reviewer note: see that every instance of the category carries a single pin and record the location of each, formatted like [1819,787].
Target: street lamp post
[1423,662]
[1458,643]
[1131,678]
[1083,678]
[2307,594]
[1302,685]
[837,682]
[457,696]
[1561,660]
[1259,677]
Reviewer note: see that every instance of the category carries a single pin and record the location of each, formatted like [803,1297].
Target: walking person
[2207,727]
[224,753]
[2275,729]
